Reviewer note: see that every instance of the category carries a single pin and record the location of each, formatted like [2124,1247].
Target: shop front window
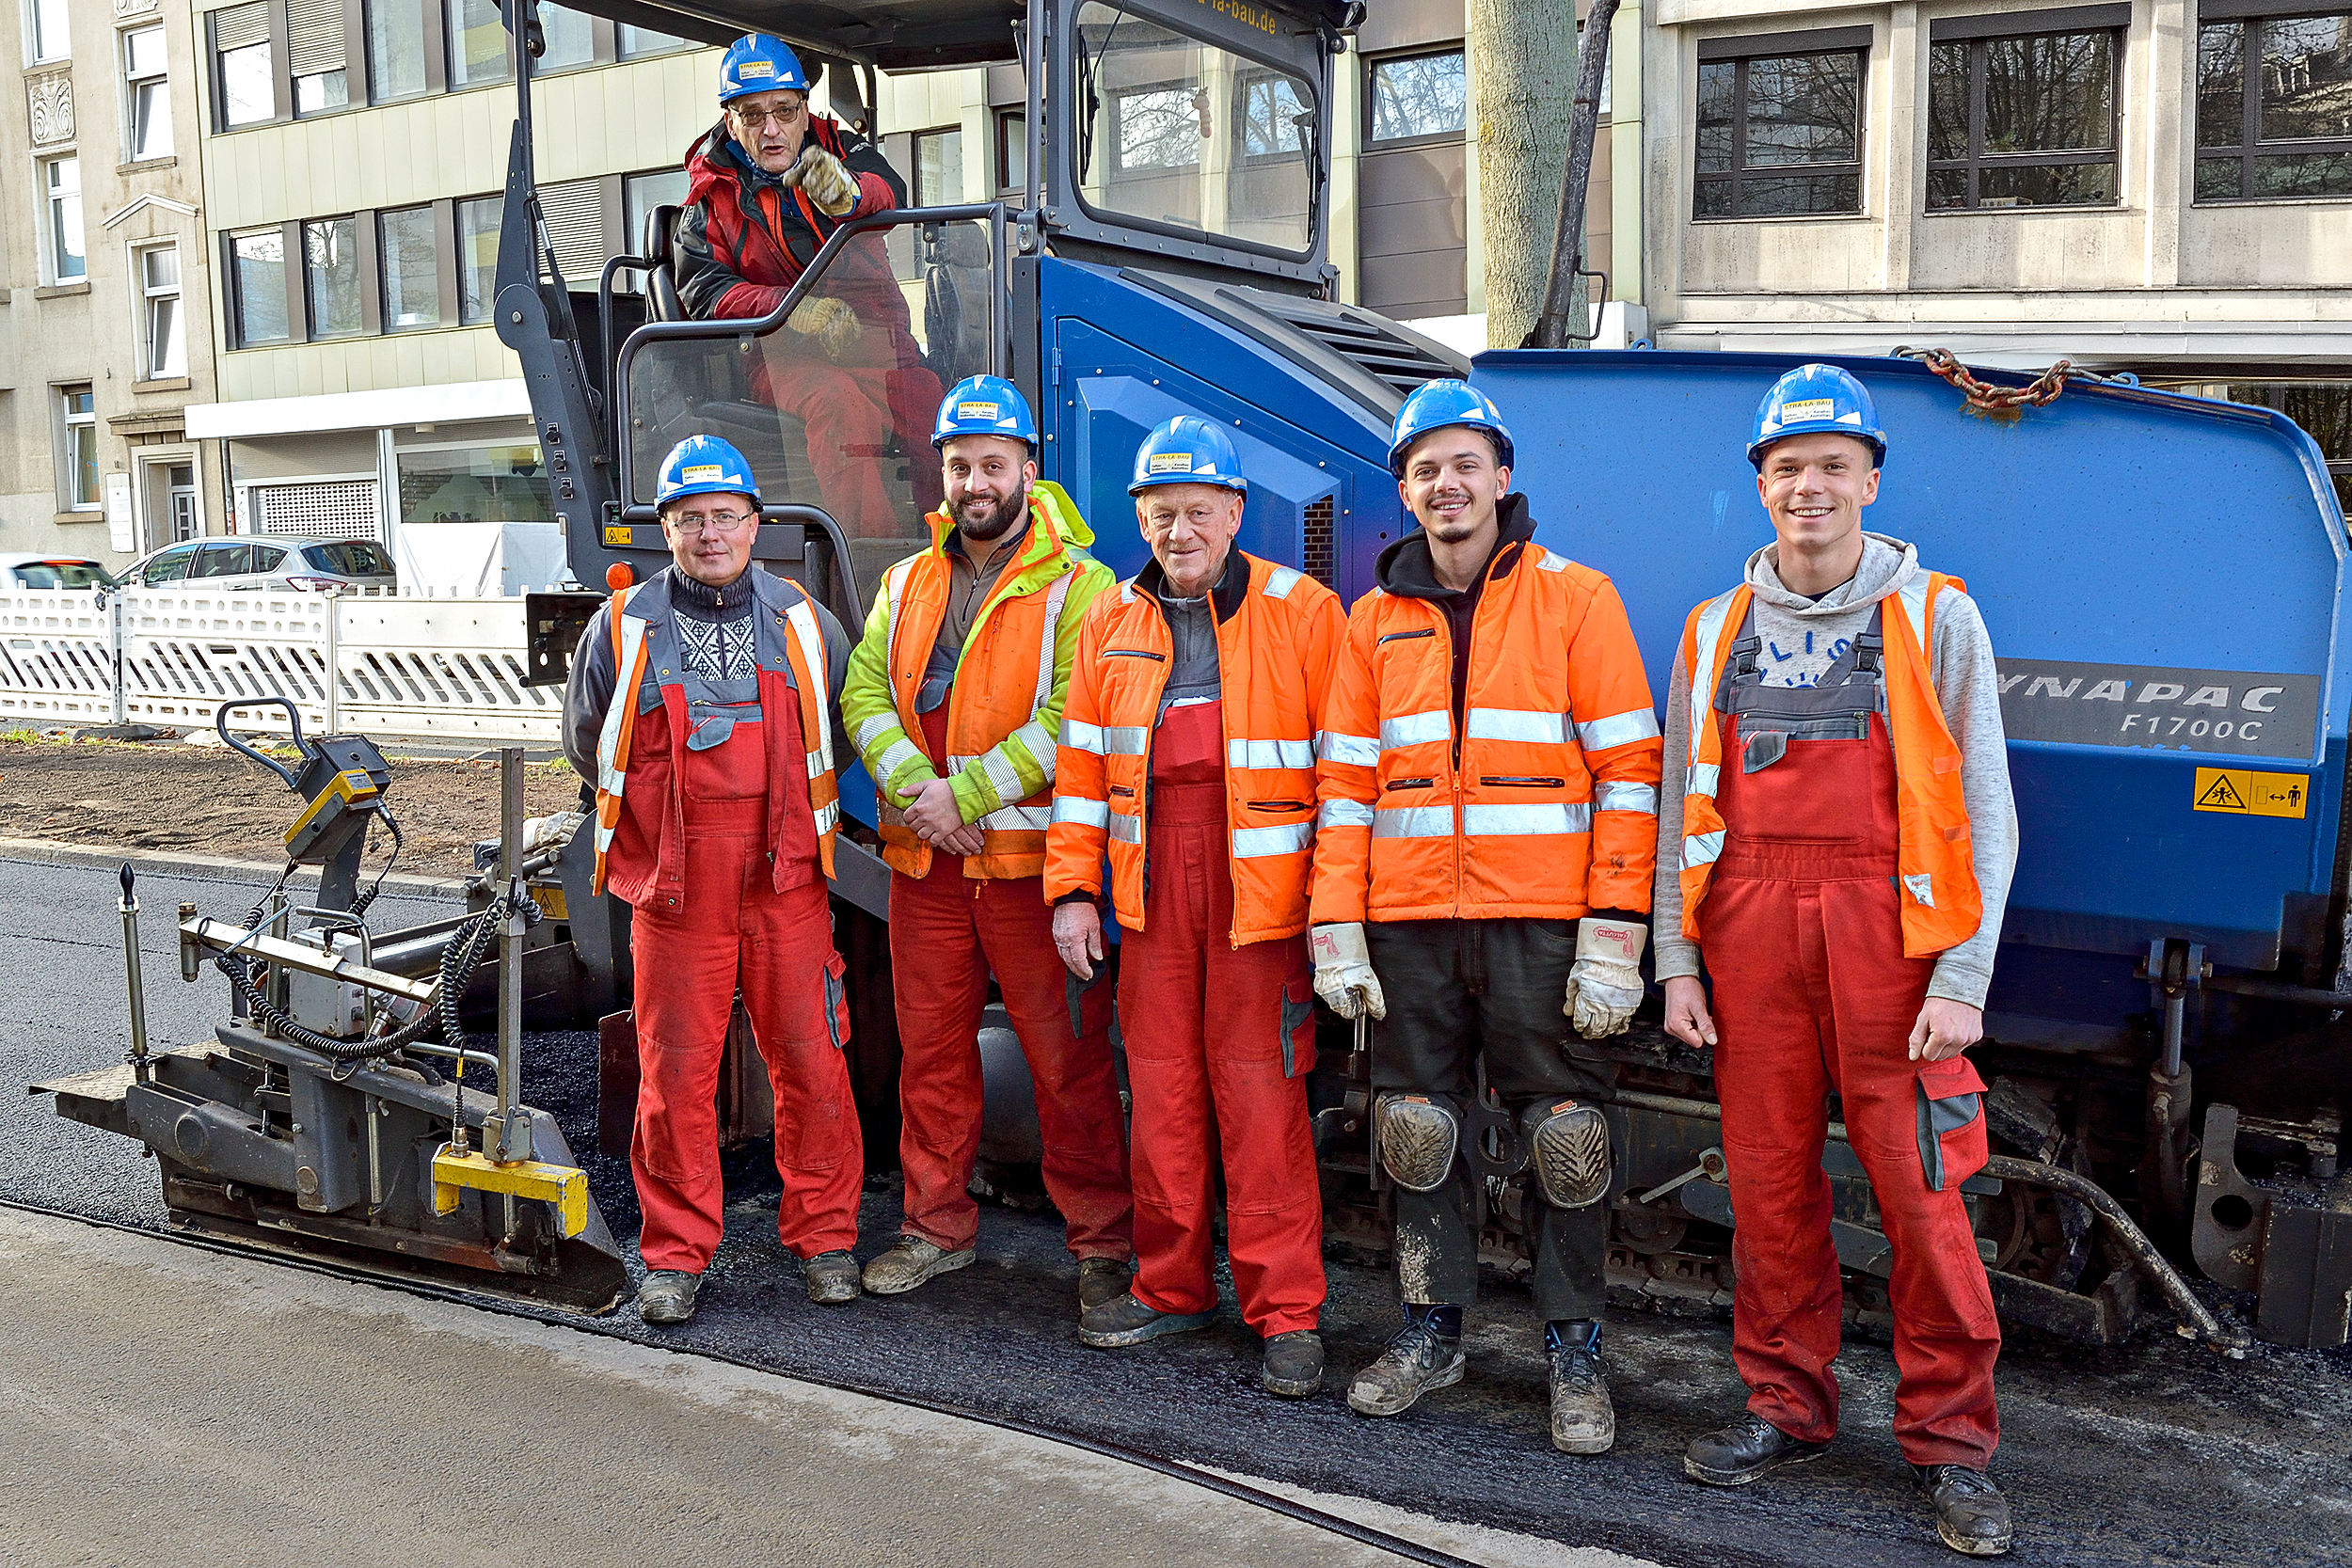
[494,483]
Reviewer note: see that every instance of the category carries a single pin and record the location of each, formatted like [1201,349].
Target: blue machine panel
[2192,548]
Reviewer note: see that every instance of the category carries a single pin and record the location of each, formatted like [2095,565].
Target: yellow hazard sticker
[1808,408]
[694,473]
[976,411]
[616,535]
[2246,793]
[1169,463]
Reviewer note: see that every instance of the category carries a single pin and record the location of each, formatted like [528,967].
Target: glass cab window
[1181,134]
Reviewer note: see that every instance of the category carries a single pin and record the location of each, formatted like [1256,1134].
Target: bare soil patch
[208,800]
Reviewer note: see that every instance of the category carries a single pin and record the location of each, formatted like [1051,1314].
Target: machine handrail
[220,723]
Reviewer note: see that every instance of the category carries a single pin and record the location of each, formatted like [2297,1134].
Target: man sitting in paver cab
[769,184]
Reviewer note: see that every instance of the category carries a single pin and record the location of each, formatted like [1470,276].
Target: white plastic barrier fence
[423,669]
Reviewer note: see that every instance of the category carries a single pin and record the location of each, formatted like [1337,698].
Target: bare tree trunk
[1522,67]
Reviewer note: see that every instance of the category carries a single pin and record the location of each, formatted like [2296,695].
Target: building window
[61,186]
[245,83]
[640,195]
[314,52]
[571,40]
[47,22]
[1779,129]
[1273,121]
[477,43]
[1012,149]
[146,94]
[257,287]
[478,256]
[637,42]
[2022,119]
[163,329]
[78,449]
[396,66]
[330,261]
[502,484]
[411,259]
[938,167]
[2274,108]
[1417,95]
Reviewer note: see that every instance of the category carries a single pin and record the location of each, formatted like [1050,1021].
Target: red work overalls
[1220,1040]
[1813,996]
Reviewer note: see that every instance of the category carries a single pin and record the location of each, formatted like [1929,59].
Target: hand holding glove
[827,181]
[1344,976]
[1605,982]
[830,323]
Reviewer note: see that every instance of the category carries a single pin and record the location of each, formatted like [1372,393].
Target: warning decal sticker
[2245,793]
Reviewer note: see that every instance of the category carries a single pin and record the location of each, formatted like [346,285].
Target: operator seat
[661,296]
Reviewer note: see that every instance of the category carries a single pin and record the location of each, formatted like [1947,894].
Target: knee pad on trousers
[1567,1143]
[1419,1139]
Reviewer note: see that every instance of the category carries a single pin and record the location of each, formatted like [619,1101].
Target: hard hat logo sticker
[696,473]
[977,411]
[1808,408]
[751,69]
[1169,463]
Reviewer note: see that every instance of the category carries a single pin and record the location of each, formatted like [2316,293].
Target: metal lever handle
[220,723]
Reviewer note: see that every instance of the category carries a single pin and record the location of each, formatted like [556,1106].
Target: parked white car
[239,562]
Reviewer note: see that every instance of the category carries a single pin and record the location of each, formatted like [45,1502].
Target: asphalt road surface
[2158,1451]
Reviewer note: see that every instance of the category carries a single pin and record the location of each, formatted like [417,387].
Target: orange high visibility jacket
[1941,905]
[1542,804]
[785,635]
[1278,632]
[1006,702]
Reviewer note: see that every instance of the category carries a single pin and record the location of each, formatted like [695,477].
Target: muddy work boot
[1418,1360]
[667,1296]
[1100,1281]
[1293,1364]
[1743,1450]
[1123,1320]
[909,1261]
[1583,1419]
[1971,1514]
[830,1277]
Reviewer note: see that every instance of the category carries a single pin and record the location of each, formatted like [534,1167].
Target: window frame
[52,273]
[1372,63]
[1742,52]
[310,330]
[69,420]
[457,247]
[2248,16]
[443,267]
[1002,123]
[33,56]
[148,296]
[917,197]
[291,283]
[1978,32]
[133,83]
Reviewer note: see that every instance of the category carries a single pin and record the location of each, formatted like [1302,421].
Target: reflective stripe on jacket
[1941,905]
[1278,632]
[1006,703]
[1544,807]
[785,637]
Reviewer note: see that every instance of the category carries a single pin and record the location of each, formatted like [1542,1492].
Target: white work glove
[827,323]
[1605,982]
[827,181]
[1344,976]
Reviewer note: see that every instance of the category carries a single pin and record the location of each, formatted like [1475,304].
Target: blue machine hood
[2161,576]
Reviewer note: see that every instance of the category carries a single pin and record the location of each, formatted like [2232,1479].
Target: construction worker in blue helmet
[954,698]
[766,187]
[1214,978]
[1837,810]
[702,703]
[1482,856]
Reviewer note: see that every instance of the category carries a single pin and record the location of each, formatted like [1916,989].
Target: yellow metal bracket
[565,1187]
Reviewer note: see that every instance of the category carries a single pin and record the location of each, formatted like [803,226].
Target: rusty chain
[2042,389]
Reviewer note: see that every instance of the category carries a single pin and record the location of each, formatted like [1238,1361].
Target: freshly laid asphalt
[2158,1451]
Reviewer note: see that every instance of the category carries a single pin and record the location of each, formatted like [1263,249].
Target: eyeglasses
[781,118]
[717,522]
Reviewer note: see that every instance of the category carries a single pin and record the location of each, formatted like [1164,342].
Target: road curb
[49,852]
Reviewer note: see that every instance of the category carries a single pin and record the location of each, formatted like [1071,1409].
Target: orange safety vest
[1941,905]
[1545,807]
[1004,675]
[1277,631]
[803,651]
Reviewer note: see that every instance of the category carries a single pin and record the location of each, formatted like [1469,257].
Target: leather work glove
[1605,982]
[827,323]
[827,181]
[1344,976]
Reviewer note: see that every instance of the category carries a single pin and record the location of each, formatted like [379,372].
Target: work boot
[830,1277]
[1293,1364]
[1418,1359]
[909,1261]
[1124,1321]
[1583,1419]
[1971,1514]
[667,1296]
[1100,1281]
[1744,1450]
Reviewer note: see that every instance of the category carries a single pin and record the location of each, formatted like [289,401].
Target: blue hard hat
[984,406]
[1188,449]
[1436,405]
[1816,400]
[705,465]
[757,63]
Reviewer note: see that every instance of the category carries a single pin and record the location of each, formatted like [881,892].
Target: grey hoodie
[1802,639]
